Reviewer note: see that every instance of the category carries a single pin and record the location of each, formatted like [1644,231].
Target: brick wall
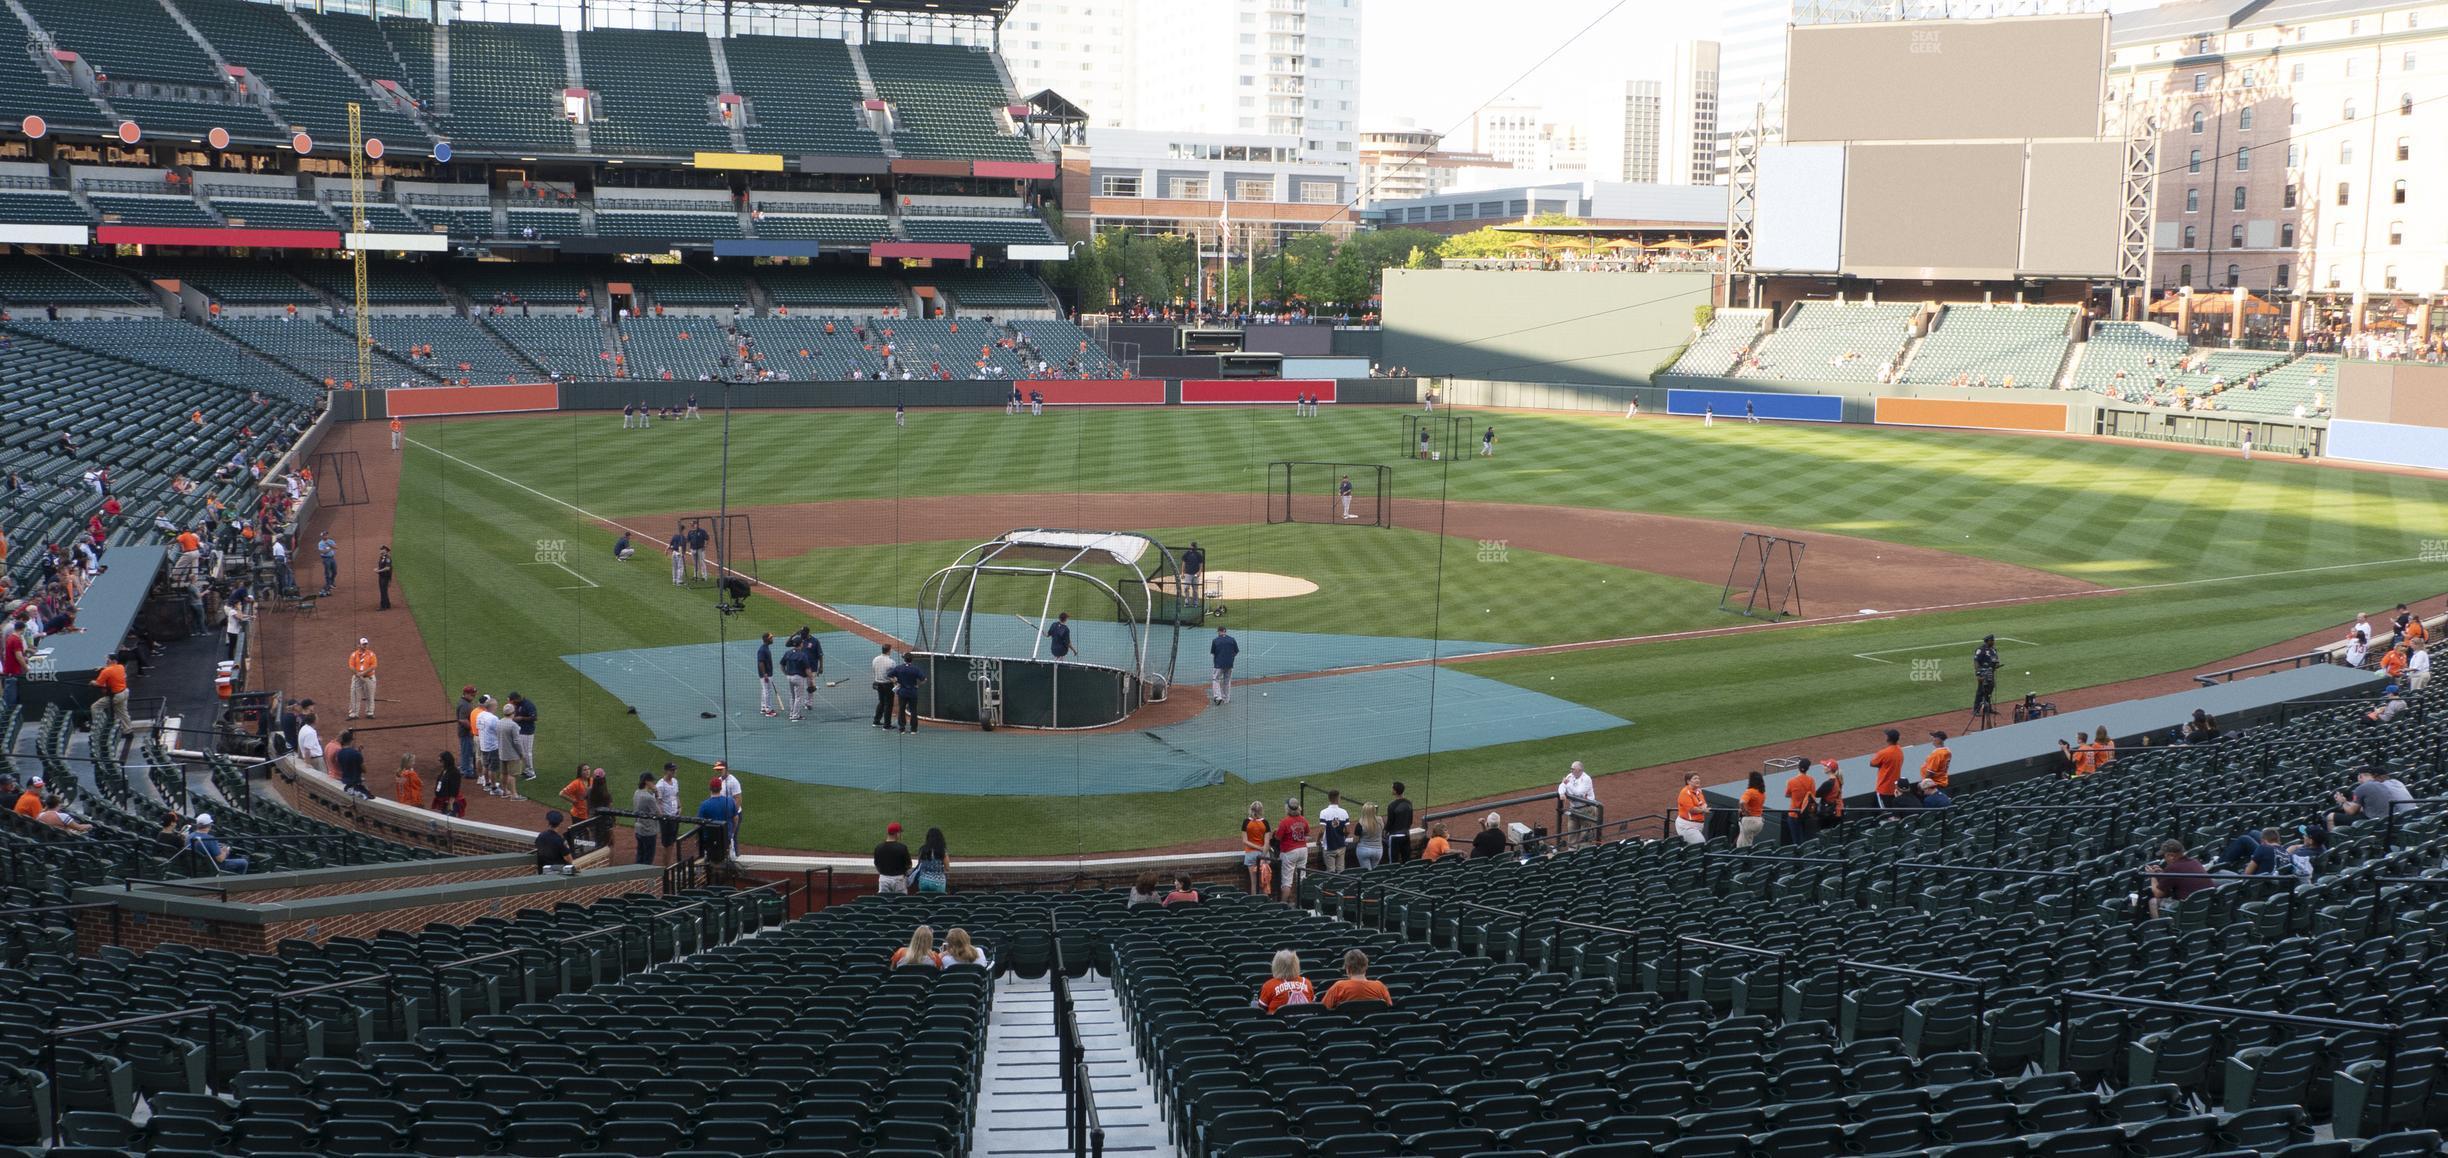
[140,932]
[382,884]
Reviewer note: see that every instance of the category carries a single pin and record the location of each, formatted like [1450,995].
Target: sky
[1434,61]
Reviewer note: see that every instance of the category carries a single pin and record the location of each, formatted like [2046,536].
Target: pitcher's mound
[1250,585]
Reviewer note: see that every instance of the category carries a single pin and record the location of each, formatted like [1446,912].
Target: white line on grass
[1873,656]
[1826,620]
[565,567]
[820,608]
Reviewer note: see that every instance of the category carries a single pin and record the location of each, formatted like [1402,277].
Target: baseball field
[1569,587]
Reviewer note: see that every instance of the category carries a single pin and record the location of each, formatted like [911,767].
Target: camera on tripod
[735,595]
[2033,708]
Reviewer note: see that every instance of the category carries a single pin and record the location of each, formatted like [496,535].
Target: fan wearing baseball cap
[892,862]
[361,679]
[1934,766]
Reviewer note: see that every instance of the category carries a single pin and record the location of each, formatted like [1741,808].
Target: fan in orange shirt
[1935,765]
[2103,749]
[410,788]
[1751,815]
[1801,798]
[1888,762]
[1691,811]
[1355,985]
[1438,845]
[1287,986]
[2083,759]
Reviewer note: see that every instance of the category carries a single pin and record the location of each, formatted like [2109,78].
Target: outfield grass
[1370,582]
[2221,553]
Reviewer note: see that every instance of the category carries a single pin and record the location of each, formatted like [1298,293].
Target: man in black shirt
[1398,827]
[892,862]
[349,763]
[551,849]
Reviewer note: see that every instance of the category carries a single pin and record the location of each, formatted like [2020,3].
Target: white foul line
[1873,656]
[564,567]
[820,608]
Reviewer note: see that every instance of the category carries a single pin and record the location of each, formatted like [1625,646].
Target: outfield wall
[2391,412]
[1608,329]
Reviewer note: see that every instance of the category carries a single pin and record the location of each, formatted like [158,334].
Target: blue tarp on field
[1273,731]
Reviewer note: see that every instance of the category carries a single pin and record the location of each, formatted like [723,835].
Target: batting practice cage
[991,625]
[1312,492]
[730,548]
[1766,580]
[1434,436]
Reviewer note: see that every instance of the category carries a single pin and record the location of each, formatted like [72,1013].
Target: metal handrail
[53,1036]
[389,982]
[2392,1034]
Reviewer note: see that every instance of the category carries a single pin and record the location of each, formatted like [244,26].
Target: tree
[1486,241]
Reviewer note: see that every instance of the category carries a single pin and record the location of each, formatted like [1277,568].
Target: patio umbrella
[1712,243]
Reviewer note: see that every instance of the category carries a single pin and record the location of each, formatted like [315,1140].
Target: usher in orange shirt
[1889,763]
[1934,766]
[1799,793]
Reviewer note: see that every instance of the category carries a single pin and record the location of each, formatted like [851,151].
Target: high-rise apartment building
[1278,68]
[1687,154]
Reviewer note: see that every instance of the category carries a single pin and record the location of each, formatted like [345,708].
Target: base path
[1840,574]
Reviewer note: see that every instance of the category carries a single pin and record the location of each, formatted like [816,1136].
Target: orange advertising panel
[426,402]
[2048,416]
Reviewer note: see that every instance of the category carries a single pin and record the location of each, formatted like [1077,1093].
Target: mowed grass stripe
[2106,512]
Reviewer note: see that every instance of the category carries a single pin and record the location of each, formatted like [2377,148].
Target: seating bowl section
[1834,342]
[1727,336]
[1994,346]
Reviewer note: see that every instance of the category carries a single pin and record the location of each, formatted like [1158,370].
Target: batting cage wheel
[1312,492]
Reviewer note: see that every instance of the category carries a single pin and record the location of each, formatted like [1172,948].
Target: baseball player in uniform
[1193,568]
[679,554]
[1487,443]
[1750,413]
[1058,637]
[765,674]
[697,538]
[1224,652]
[795,670]
[1342,489]
[900,415]
[1423,450]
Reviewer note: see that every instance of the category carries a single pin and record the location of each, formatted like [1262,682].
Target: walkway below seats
[1020,1108]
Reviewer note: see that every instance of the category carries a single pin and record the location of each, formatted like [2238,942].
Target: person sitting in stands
[60,818]
[2178,876]
[1287,986]
[1437,844]
[1355,985]
[959,950]
[1491,838]
[1183,893]
[201,840]
[1144,891]
[920,952]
